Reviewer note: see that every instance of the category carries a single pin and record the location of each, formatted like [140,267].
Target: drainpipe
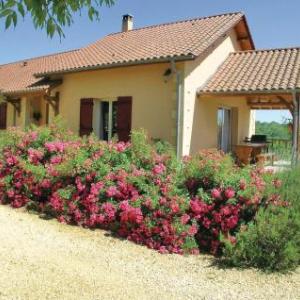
[295,129]
[179,108]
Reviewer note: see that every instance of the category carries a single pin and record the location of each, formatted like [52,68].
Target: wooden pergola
[272,100]
[287,100]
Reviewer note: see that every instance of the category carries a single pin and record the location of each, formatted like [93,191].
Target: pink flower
[56,160]
[232,222]
[46,183]
[10,193]
[174,207]
[111,191]
[192,230]
[229,193]
[33,135]
[96,187]
[159,169]
[163,250]
[109,210]
[56,203]
[131,215]
[225,210]
[120,147]
[77,215]
[11,160]
[216,193]
[61,219]
[184,219]
[217,217]
[206,223]
[162,201]
[55,146]
[124,205]
[100,219]
[198,207]
[79,185]
[35,155]
[148,203]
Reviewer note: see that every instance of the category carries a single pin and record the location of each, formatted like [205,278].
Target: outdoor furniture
[243,154]
[247,153]
[258,138]
[263,158]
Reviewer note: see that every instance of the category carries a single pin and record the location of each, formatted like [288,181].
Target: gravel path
[46,260]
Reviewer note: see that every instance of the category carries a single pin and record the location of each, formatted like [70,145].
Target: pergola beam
[53,102]
[289,105]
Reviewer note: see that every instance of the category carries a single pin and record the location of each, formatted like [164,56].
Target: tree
[51,15]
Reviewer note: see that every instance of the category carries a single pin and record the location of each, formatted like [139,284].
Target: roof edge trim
[118,65]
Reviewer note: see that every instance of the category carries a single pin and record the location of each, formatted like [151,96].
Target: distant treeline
[273,130]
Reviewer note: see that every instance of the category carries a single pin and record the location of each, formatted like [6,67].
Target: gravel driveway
[46,260]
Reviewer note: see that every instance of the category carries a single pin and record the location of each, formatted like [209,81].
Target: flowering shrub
[135,190]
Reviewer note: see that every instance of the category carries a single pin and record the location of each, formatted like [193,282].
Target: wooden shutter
[124,112]
[3,115]
[86,116]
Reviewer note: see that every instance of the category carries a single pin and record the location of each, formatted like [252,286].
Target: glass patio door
[224,129]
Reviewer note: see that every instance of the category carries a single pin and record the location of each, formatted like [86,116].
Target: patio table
[247,152]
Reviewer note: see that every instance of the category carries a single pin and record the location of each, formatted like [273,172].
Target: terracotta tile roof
[19,77]
[185,39]
[179,40]
[259,70]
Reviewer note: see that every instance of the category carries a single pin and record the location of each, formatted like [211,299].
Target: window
[105,119]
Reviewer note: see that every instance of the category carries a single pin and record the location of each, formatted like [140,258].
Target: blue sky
[273,23]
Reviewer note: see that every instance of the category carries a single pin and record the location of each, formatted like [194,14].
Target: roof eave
[119,65]
[23,91]
[200,92]
[249,32]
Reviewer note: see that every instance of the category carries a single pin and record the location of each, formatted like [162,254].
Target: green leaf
[8,21]
[21,9]
[5,13]
[15,18]
[50,27]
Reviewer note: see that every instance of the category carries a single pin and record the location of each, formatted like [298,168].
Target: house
[193,83]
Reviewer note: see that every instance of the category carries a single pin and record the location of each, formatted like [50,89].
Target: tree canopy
[51,15]
[273,130]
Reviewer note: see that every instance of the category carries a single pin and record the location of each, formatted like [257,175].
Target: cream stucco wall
[10,115]
[200,115]
[153,107]
[14,118]
[205,129]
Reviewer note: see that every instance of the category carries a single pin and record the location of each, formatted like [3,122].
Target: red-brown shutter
[3,115]
[124,112]
[86,116]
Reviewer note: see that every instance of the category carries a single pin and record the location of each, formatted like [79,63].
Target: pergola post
[296,138]
[298,129]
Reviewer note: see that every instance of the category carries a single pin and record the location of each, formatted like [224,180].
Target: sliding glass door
[224,129]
